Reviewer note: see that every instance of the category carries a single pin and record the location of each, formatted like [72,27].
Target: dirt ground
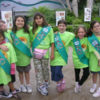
[53,94]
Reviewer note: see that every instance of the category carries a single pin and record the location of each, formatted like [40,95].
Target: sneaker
[59,88]
[29,89]
[77,88]
[15,95]
[93,89]
[17,90]
[23,88]
[4,95]
[42,89]
[63,85]
[97,93]
[46,85]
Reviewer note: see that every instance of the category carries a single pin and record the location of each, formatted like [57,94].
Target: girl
[61,40]
[7,65]
[21,41]
[94,59]
[42,39]
[80,57]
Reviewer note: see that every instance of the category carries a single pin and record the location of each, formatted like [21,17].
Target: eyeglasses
[96,26]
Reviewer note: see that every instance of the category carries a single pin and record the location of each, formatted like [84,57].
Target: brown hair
[1,21]
[78,30]
[14,29]
[89,33]
[2,33]
[62,22]
[35,26]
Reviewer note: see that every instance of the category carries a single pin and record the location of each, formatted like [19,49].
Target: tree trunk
[75,7]
[90,4]
[69,6]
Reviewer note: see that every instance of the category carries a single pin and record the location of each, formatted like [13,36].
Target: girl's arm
[97,54]
[4,48]
[52,51]
[98,57]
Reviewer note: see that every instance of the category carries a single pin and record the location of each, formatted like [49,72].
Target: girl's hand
[4,48]
[52,57]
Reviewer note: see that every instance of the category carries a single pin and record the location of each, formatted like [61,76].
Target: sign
[59,15]
[7,17]
[87,14]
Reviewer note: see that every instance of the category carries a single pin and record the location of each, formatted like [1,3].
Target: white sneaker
[23,88]
[97,93]
[29,89]
[42,89]
[77,88]
[93,89]
[46,85]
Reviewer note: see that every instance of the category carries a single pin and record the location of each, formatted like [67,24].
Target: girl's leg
[77,79]
[94,79]
[1,87]
[45,69]
[97,93]
[59,78]
[21,78]
[27,78]
[77,73]
[11,86]
[39,77]
[84,76]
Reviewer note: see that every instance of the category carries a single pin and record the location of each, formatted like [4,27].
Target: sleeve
[51,34]
[31,34]
[71,43]
[69,38]
[90,48]
[13,58]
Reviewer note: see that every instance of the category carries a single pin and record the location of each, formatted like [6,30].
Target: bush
[48,13]
[77,21]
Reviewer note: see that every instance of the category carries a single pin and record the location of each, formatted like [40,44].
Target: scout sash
[4,64]
[94,42]
[40,37]
[20,45]
[60,47]
[79,51]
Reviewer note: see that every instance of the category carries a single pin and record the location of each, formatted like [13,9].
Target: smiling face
[62,27]
[96,28]
[3,26]
[19,23]
[39,20]
[81,33]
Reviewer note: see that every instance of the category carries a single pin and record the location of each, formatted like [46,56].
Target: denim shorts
[56,73]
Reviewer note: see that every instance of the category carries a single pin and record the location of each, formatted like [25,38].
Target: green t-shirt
[93,61]
[7,35]
[10,54]
[77,63]
[46,43]
[11,57]
[22,59]
[66,38]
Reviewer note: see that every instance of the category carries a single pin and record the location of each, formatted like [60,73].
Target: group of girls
[15,52]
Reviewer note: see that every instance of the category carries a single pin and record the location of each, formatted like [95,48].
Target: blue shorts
[95,72]
[56,73]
